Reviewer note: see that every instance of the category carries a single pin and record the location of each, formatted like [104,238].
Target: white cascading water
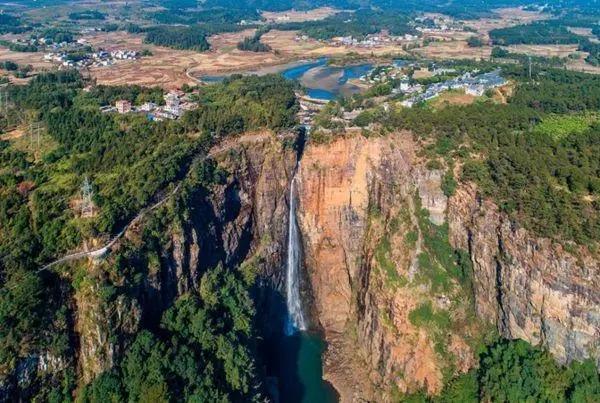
[296,320]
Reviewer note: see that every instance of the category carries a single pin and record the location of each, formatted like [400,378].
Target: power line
[34,131]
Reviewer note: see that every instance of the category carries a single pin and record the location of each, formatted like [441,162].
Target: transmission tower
[34,133]
[87,206]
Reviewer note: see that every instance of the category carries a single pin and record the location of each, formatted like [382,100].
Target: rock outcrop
[533,288]
[240,221]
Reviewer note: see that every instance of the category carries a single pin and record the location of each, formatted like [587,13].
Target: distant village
[77,54]
[176,103]
[423,26]
[406,88]
[372,41]
[470,82]
[472,85]
[91,59]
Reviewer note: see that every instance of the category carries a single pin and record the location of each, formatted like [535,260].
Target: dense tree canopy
[514,371]
[178,37]
[537,33]
[357,24]
[204,350]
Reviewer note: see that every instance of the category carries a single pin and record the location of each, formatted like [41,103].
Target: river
[321,81]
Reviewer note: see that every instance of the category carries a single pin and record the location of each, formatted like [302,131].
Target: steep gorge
[375,275]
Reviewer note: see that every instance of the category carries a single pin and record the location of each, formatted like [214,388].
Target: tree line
[253,43]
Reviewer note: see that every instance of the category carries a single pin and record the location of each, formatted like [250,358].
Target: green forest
[514,371]
[253,43]
[178,37]
[535,33]
[357,24]
[130,161]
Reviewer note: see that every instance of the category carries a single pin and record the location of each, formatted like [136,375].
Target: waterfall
[295,320]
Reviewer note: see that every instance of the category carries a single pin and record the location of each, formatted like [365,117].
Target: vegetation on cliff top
[536,156]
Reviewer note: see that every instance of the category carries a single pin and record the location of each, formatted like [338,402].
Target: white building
[148,107]
[172,104]
[476,90]
[123,106]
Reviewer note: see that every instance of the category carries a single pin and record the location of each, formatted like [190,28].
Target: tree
[475,42]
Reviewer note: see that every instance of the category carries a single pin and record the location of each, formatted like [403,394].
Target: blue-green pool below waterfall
[297,363]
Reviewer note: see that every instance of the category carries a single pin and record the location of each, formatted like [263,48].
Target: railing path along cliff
[103,250]
[96,253]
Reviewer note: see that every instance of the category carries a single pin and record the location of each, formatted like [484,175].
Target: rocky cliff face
[376,267]
[356,207]
[241,221]
[394,318]
[533,288]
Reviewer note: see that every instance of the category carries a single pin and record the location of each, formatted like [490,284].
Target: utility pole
[38,130]
[87,206]
[3,100]
[529,58]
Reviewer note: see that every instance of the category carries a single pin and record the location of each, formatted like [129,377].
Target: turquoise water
[317,93]
[352,72]
[296,72]
[300,370]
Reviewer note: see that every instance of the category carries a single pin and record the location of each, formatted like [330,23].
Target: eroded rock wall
[359,205]
[241,220]
[533,288]
[356,207]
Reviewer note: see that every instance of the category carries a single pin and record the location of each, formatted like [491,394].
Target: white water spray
[296,320]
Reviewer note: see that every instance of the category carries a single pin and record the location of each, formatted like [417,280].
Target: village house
[123,106]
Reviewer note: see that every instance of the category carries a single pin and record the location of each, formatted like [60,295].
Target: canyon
[375,230]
